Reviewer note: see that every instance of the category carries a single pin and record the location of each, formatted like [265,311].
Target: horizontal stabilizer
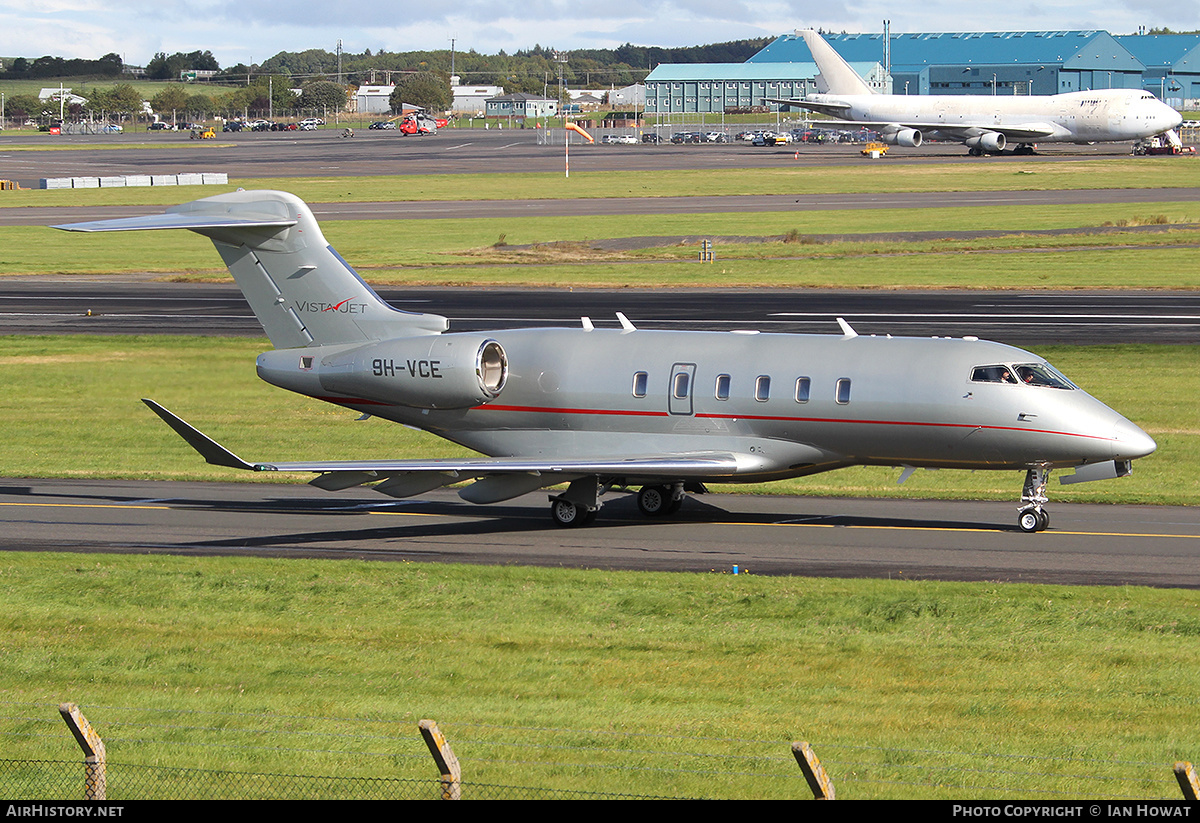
[832,109]
[169,220]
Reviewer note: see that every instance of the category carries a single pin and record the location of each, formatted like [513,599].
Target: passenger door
[679,392]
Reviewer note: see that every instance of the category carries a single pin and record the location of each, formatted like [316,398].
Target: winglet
[209,449]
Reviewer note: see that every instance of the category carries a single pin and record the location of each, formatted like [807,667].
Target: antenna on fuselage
[846,330]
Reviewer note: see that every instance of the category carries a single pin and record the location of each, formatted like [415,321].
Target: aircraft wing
[341,474]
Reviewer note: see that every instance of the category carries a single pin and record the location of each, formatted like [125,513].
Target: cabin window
[803,384]
[762,388]
[640,381]
[843,390]
[722,389]
[992,374]
[680,387]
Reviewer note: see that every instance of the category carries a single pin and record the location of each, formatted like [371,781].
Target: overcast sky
[250,31]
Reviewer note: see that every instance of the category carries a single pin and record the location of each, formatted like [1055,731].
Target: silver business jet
[601,409]
[986,124]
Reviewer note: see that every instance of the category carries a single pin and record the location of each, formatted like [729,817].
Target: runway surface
[893,539]
[79,305]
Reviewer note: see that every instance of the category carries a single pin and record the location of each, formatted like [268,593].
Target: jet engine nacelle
[437,371]
[991,141]
[904,137]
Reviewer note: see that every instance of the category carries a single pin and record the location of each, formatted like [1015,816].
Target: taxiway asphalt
[891,539]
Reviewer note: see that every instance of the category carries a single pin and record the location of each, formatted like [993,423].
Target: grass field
[661,684]
[1108,172]
[498,250]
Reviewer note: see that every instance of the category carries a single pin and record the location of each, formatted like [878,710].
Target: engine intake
[904,137]
[990,141]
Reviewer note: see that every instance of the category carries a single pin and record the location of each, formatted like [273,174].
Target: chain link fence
[63,780]
[142,753]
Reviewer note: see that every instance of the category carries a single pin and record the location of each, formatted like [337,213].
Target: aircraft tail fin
[301,290]
[836,75]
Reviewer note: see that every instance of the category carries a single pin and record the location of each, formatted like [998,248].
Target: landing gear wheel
[1028,520]
[569,515]
[1033,520]
[655,501]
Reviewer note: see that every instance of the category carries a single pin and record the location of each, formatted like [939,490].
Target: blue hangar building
[1011,62]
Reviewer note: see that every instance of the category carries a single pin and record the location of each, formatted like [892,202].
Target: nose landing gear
[1031,516]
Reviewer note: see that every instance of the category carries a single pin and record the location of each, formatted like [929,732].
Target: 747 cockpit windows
[1031,374]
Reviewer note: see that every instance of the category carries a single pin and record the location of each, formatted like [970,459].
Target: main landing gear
[568,514]
[1031,516]
[660,501]
[577,506]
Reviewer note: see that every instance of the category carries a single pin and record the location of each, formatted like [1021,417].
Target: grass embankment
[71,410]
[664,684]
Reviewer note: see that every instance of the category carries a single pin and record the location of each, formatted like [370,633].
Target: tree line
[422,77]
[526,70]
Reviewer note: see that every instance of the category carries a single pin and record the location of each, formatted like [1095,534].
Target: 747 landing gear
[1032,517]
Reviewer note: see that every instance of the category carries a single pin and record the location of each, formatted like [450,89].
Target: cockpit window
[993,374]
[1042,374]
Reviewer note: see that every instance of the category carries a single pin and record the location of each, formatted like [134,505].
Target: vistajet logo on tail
[344,307]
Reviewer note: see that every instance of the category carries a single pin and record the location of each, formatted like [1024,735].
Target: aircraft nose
[1172,118]
[1130,442]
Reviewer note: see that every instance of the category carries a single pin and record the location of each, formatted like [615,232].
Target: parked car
[382,124]
[307,126]
[312,121]
[651,137]
[233,125]
[618,138]
[111,128]
[161,126]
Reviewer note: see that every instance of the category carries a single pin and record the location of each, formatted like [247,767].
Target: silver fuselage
[909,401]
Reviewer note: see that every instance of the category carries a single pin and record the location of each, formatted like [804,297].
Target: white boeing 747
[986,124]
